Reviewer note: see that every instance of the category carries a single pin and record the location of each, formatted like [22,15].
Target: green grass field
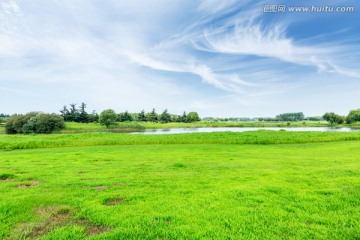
[254,185]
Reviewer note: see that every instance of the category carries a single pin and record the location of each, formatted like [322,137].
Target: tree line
[285,117]
[331,117]
[79,114]
[38,122]
[109,117]
[352,117]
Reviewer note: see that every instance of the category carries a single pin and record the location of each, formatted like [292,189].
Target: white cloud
[11,7]
[98,48]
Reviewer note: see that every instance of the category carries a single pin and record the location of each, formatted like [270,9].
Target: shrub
[334,118]
[34,123]
[354,116]
[107,117]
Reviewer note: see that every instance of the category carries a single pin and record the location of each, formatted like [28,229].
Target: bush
[34,123]
[334,118]
[354,116]
[107,117]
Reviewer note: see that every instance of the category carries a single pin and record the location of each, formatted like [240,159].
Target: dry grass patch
[119,184]
[100,188]
[91,229]
[113,201]
[28,185]
[56,219]
[52,217]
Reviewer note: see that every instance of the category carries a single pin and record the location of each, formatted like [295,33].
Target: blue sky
[219,58]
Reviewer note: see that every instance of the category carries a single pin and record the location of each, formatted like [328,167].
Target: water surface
[243,129]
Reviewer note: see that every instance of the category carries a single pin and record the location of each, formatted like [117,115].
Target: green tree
[73,113]
[183,117]
[44,123]
[141,116]
[16,122]
[93,117]
[125,117]
[174,118]
[107,117]
[193,117]
[34,122]
[152,116]
[333,118]
[165,117]
[299,116]
[353,116]
[65,113]
[83,116]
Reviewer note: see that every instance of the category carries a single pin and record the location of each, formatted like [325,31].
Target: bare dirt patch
[119,184]
[58,218]
[46,211]
[91,229]
[27,185]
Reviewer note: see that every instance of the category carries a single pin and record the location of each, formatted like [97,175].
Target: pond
[243,129]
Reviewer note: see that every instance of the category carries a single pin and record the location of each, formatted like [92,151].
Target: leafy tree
[9,128]
[299,116]
[174,118]
[165,117]
[333,118]
[15,123]
[107,117]
[353,116]
[193,117]
[141,116]
[34,122]
[152,116]
[44,123]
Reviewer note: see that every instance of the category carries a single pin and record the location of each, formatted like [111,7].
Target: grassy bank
[71,126]
[10,142]
[180,191]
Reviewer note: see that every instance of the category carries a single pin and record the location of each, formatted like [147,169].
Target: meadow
[251,185]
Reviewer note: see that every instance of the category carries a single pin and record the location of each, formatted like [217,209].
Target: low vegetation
[107,138]
[34,122]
